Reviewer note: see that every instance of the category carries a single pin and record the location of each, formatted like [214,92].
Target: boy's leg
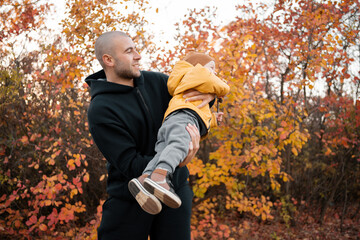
[176,140]
[159,183]
[159,146]
[147,201]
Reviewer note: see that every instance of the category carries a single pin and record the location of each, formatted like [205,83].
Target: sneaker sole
[149,203]
[164,195]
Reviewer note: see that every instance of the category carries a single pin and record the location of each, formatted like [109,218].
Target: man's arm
[194,95]
[119,149]
[194,144]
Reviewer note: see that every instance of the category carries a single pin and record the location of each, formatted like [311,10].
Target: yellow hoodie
[184,77]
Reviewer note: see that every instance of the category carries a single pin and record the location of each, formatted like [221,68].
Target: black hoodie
[124,122]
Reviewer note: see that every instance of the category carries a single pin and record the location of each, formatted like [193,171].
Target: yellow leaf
[71,164]
[285,178]
[294,151]
[73,192]
[263,216]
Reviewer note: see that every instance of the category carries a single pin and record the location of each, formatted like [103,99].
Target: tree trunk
[344,209]
[326,202]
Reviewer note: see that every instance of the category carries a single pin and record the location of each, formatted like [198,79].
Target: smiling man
[117,55]
[126,110]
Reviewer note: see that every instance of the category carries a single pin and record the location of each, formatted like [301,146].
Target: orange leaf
[17,223]
[102,177]
[283,124]
[58,187]
[283,136]
[43,227]
[33,137]
[86,177]
[24,139]
[77,161]
[71,164]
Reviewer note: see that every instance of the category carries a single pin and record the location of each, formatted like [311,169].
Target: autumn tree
[272,56]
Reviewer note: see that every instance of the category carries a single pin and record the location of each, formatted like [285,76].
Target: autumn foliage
[286,155]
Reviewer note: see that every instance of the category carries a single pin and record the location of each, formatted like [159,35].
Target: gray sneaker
[163,190]
[147,201]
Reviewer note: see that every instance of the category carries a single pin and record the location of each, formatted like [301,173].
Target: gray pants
[173,141]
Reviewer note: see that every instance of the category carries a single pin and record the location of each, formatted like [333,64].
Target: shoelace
[161,182]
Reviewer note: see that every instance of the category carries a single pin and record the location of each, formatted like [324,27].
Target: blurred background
[285,162]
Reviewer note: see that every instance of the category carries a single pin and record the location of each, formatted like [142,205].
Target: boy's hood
[178,72]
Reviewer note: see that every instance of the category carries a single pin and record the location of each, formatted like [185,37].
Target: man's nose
[137,55]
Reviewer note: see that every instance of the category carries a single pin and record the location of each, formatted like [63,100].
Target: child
[195,71]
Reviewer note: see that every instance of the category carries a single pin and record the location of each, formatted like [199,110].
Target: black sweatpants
[125,220]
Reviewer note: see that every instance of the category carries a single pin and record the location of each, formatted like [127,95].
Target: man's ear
[108,60]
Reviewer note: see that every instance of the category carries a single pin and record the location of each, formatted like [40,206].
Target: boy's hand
[219,117]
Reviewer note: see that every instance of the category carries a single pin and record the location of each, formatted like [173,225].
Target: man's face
[211,66]
[126,59]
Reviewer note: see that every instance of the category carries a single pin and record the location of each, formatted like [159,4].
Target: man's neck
[126,82]
[123,81]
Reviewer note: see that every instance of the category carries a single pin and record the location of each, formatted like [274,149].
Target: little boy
[195,71]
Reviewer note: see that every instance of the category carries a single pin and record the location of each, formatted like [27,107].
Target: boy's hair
[196,57]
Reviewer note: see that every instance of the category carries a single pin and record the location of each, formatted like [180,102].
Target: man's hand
[194,95]
[194,144]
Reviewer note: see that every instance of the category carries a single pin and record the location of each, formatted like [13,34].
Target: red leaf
[31,221]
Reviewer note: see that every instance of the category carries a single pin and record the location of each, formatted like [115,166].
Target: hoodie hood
[99,85]
[185,76]
[178,72]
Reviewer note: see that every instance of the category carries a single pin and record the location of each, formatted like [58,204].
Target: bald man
[126,110]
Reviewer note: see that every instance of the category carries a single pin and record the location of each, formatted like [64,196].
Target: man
[126,110]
